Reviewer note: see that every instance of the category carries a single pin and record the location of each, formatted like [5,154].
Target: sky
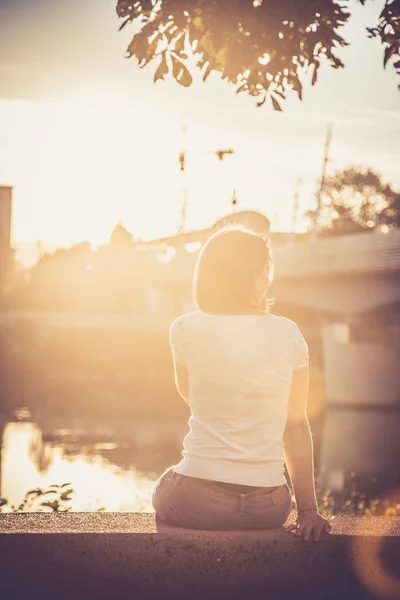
[87,139]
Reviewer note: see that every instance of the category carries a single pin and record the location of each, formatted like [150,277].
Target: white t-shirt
[240,372]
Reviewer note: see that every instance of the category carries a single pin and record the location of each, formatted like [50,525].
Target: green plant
[358,503]
[57,498]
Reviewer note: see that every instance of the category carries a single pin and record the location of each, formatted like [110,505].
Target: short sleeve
[177,340]
[300,354]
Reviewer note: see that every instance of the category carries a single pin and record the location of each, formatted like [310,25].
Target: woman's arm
[298,450]
[182,380]
[178,347]
[297,443]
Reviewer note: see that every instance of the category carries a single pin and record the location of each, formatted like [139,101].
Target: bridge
[348,275]
[344,275]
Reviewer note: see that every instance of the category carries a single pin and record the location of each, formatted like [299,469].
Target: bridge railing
[362,252]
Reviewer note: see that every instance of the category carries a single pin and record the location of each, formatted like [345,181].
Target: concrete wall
[102,555]
[362,422]
[360,373]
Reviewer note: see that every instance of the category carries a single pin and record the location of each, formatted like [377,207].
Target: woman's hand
[309,525]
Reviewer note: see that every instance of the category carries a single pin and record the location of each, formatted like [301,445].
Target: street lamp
[219,153]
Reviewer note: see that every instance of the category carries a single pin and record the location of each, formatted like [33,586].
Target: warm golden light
[115,178]
[96,482]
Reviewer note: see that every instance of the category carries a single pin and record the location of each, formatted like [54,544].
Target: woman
[244,374]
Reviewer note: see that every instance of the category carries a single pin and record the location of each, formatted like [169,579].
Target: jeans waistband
[218,486]
[242,489]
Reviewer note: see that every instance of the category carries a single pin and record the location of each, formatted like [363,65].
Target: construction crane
[219,153]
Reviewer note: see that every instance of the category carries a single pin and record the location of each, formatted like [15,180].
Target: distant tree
[264,47]
[356,199]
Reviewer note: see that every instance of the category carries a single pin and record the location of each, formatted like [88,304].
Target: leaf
[276,104]
[186,79]
[297,86]
[315,72]
[150,29]
[180,44]
[147,5]
[242,87]
[389,52]
[125,7]
[149,53]
[207,72]
[37,492]
[180,72]
[137,46]
[124,23]
[206,44]
[65,496]
[222,53]
[162,69]
[53,505]
[262,101]
[176,66]
[197,22]
[65,485]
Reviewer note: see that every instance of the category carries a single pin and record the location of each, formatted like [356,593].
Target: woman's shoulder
[182,320]
[268,319]
[284,326]
[283,322]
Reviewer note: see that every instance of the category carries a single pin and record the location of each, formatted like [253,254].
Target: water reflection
[105,470]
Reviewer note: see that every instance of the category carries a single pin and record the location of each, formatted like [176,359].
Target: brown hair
[227,268]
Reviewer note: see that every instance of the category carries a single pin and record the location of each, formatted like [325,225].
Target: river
[106,468]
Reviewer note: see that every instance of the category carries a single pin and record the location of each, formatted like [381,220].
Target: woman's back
[240,371]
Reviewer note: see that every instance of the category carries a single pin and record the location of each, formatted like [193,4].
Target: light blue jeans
[201,504]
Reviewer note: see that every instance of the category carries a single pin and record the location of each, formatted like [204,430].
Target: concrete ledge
[127,555]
